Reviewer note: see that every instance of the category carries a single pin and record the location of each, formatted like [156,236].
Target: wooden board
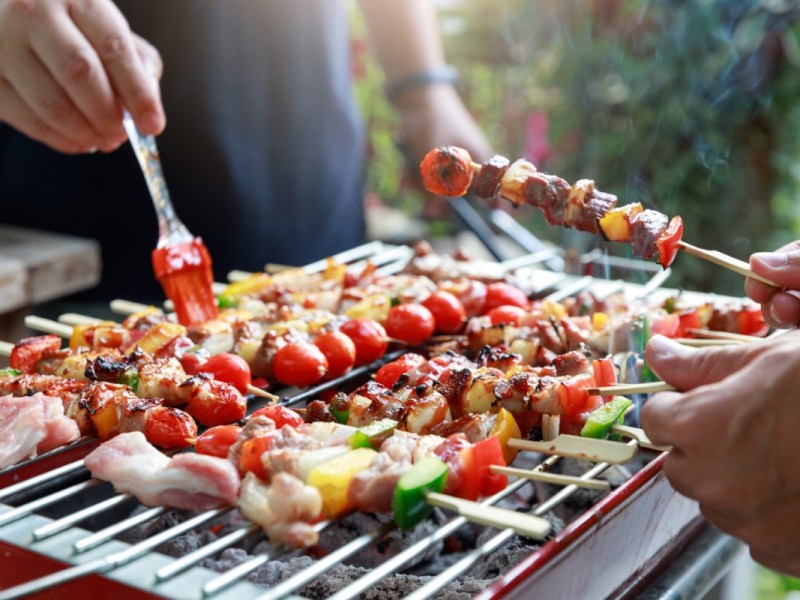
[55,265]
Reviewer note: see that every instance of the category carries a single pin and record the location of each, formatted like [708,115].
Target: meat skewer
[449,171]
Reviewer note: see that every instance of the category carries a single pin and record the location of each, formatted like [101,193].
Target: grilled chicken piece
[283,508]
[371,490]
[32,425]
[188,481]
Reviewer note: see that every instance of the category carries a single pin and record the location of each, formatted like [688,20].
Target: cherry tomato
[229,368]
[28,351]
[507,314]
[411,323]
[339,350]
[667,243]
[500,294]
[216,441]
[447,310]
[169,428]
[369,337]
[573,395]
[447,171]
[300,363]
[281,415]
[216,403]
[252,451]
[690,319]
[192,362]
[389,373]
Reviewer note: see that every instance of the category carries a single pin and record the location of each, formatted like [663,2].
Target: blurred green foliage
[688,106]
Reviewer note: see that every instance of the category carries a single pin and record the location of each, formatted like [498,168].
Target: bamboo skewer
[723,335]
[639,436]
[573,446]
[524,524]
[723,260]
[703,343]
[64,330]
[554,478]
[624,389]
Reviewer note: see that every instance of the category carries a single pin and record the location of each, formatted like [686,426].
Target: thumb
[687,368]
[782,267]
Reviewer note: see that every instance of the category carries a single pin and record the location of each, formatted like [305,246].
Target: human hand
[781,308]
[66,68]
[435,116]
[734,432]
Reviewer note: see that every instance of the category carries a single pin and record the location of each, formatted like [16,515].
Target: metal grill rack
[24,505]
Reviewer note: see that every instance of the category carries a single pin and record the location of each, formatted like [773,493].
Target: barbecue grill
[62,531]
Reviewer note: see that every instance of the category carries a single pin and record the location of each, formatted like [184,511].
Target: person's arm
[734,431]
[408,47]
[781,308]
[67,67]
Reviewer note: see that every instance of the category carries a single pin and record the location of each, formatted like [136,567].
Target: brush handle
[171,230]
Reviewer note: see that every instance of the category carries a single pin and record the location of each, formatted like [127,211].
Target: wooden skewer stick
[524,524]
[723,260]
[65,331]
[573,446]
[624,389]
[700,343]
[554,478]
[639,436]
[723,335]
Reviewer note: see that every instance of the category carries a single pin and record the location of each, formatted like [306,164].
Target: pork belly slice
[32,425]
[188,481]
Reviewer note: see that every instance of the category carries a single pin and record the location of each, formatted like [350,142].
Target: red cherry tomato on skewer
[300,363]
[506,314]
[447,310]
[503,294]
[369,337]
[216,441]
[340,351]
[230,368]
[411,323]
[389,373]
[281,415]
[447,171]
[218,403]
[170,428]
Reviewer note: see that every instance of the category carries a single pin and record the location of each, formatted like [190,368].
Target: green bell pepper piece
[227,301]
[602,419]
[131,379]
[340,408]
[10,372]
[409,503]
[372,435]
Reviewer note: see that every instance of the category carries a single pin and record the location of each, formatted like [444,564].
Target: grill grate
[100,552]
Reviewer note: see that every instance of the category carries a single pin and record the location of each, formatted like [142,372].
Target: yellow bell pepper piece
[506,428]
[249,285]
[333,478]
[375,307]
[599,321]
[616,223]
[158,336]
